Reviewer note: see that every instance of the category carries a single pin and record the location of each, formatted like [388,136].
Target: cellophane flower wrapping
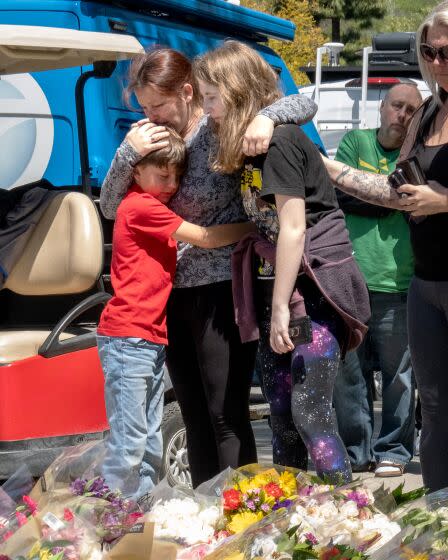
[423,521]
[16,506]
[344,518]
[430,545]
[186,518]
[74,482]
[62,539]
[199,521]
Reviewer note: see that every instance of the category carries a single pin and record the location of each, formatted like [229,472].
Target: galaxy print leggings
[299,389]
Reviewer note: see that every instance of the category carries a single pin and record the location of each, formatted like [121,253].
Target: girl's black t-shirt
[429,236]
[293,167]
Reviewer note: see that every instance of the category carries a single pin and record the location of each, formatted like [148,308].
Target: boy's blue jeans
[134,389]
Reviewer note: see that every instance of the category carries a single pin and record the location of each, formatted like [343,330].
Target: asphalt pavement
[412,477]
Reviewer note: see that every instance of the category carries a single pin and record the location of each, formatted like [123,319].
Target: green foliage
[301,51]
[406,497]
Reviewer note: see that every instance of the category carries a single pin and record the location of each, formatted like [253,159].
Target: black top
[429,236]
[293,167]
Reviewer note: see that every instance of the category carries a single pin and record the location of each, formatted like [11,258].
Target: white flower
[349,509]
[263,547]
[184,521]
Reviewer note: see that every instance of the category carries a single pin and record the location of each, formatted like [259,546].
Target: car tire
[175,460]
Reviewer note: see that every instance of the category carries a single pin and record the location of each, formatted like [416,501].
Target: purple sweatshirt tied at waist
[327,260]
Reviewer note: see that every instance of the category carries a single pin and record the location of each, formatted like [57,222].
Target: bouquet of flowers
[14,515]
[185,521]
[341,523]
[110,513]
[345,516]
[252,498]
[71,539]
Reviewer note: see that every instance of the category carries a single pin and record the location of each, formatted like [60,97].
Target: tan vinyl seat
[64,255]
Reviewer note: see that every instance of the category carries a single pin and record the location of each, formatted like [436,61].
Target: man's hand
[423,200]
[258,136]
[279,338]
[146,137]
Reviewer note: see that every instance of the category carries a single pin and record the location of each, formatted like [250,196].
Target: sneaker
[386,468]
[417,442]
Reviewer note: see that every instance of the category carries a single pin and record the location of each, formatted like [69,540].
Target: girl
[288,194]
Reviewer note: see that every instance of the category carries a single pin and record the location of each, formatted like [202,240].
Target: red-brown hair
[166,69]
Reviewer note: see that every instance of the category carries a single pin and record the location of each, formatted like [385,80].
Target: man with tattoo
[380,238]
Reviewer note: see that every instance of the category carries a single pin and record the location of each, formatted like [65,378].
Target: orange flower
[274,490]
[232,499]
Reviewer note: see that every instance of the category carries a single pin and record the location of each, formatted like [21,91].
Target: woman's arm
[290,244]
[370,187]
[423,200]
[293,109]
[144,137]
[213,236]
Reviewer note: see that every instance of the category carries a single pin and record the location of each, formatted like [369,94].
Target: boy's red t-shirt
[142,268]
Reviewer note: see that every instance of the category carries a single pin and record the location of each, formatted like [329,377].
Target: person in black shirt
[427,208]
[289,195]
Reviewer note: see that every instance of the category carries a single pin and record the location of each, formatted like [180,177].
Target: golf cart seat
[56,371]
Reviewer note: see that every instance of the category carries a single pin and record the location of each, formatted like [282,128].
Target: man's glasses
[430,53]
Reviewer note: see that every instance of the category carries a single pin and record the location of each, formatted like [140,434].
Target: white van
[353,102]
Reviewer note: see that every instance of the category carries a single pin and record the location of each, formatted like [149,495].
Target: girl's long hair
[246,83]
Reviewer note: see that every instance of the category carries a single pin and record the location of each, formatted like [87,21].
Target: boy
[132,330]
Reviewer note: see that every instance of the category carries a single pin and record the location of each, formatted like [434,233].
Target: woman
[427,139]
[210,368]
[288,194]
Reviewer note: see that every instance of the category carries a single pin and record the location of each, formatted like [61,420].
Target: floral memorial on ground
[252,513]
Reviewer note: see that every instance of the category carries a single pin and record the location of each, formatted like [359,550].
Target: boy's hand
[146,137]
[258,136]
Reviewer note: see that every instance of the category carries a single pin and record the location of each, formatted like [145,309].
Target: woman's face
[212,101]
[167,110]
[437,36]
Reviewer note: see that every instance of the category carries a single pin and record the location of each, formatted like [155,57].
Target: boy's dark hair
[174,154]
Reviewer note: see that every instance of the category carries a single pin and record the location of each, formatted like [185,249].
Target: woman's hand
[423,200]
[146,137]
[279,338]
[258,136]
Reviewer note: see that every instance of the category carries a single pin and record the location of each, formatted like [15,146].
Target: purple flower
[110,519]
[305,490]
[265,507]
[283,504]
[360,499]
[250,504]
[77,486]
[310,538]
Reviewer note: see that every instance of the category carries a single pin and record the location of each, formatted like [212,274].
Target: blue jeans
[387,339]
[134,389]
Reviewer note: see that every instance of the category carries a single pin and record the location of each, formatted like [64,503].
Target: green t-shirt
[382,245]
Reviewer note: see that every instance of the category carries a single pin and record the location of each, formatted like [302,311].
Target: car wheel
[175,460]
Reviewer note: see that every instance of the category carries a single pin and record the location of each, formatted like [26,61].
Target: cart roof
[26,48]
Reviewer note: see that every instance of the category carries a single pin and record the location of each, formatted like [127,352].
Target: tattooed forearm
[369,187]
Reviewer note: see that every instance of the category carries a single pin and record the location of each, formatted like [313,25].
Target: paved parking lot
[412,476]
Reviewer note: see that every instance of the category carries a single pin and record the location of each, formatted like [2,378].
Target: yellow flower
[235,556]
[287,482]
[44,554]
[412,555]
[244,485]
[241,521]
[34,550]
